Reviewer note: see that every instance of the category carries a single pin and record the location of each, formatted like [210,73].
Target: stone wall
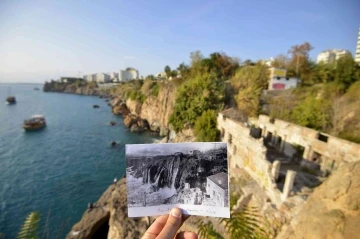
[332,150]
[249,153]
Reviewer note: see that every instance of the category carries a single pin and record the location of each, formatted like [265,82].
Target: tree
[247,85]
[183,69]
[195,57]
[167,71]
[174,73]
[205,127]
[346,72]
[313,113]
[299,61]
[200,93]
[281,61]
[150,77]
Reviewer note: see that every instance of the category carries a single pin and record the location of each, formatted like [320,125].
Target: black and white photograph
[191,176]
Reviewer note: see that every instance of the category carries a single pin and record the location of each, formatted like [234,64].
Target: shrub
[155,90]
[202,92]
[205,127]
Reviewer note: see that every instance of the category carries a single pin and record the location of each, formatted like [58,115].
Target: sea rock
[333,210]
[121,109]
[135,128]
[164,131]
[129,120]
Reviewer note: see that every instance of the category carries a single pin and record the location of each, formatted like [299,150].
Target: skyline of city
[43,40]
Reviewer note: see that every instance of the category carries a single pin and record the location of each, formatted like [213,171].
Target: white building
[102,78]
[161,75]
[128,74]
[217,188]
[357,54]
[331,56]
[279,81]
[114,76]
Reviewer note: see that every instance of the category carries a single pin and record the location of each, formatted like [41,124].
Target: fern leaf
[29,229]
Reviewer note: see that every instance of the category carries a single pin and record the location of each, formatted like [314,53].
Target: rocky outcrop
[80,87]
[135,123]
[333,210]
[157,110]
[110,214]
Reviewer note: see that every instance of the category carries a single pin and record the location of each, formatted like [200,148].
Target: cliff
[78,87]
[156,110]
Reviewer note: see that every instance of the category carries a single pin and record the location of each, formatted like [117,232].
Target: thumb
[172,224]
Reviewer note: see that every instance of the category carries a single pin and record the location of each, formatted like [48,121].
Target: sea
[58,170]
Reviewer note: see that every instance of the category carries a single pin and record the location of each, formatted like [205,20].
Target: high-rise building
[331,56]
[357,54]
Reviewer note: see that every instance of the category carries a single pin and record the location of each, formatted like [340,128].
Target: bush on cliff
[205,127]
[201,93]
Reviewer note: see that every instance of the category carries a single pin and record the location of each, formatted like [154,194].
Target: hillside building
[217,189]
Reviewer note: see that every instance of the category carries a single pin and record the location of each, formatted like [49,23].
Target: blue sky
[40,40]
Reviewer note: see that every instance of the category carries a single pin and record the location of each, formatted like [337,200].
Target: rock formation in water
[156,110]
[79,87]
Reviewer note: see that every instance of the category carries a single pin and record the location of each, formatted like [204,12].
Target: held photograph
[191,176]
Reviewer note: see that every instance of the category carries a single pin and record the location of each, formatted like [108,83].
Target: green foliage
[247,85]
[167,71]
[202,92]
[207,231]
[313,113]
[155,90]
[174,73]
[244,224]
[29,229]
[346,72]
[205,127]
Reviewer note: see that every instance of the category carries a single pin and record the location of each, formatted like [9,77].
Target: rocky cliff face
[156,110]
[81,88]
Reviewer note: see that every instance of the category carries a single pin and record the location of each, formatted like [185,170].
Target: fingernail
[176,212]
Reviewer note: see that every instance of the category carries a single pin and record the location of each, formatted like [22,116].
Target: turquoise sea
[56,171]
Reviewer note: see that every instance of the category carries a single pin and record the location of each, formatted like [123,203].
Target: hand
[166,227]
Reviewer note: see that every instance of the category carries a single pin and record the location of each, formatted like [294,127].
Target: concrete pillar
[263,132]
[282,145]
[307,153]
[289,183]
[275,169]
[273,138]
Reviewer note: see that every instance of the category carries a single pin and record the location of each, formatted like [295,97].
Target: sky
[43,40]
[161,149]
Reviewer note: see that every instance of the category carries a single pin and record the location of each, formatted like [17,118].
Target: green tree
[313,113]
[174,73]
[281,61]
[205,127]
[150,77]
[346,72]
[29,229]
[167,71]
[200,93]
[247,85]
[183,70]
